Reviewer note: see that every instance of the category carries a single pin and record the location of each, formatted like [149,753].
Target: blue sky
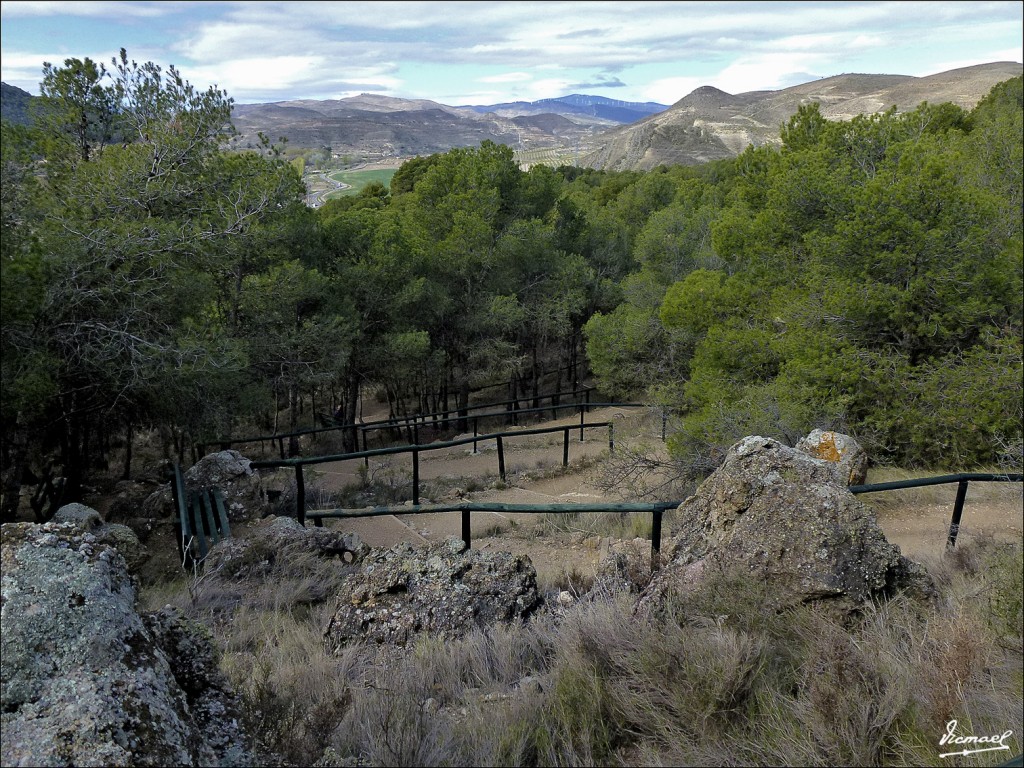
[488,52]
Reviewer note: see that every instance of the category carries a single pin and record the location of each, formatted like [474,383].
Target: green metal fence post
[656,539]
[958,511]
[416,477]
[581,423]
[465,527]
[501,459]
[300,496]
[565,449]
[611,438]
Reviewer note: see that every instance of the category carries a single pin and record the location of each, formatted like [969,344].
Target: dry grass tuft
[716,677]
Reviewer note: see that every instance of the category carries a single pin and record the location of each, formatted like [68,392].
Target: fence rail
[415,420]
[656,509]
[962,480]
[499,437]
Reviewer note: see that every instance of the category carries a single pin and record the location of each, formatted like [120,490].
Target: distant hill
[370,126]
[600,107]
[709,124]
[14,104]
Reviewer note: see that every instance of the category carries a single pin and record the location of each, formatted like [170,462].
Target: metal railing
[299,462]
[656,509]
[962,479]
[414,421]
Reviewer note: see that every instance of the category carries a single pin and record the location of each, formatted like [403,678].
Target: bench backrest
[202,519]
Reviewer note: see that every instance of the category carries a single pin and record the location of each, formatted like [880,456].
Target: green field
[359,179]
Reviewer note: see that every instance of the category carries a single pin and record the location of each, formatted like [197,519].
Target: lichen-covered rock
[121,537]
[839,448]
[788,518]
[276,545]
[244,496]
[125,541]
[231,472]
[440,590]
[85,679]
[84,517]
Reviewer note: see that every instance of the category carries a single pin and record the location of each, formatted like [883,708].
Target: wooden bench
[202,520]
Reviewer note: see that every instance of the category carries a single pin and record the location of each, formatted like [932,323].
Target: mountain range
[709,124]
[593,131]
[368,126]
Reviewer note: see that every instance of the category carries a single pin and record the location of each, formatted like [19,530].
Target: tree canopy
[865,275]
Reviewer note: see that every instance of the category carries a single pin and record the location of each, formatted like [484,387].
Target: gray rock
[121,537]
[84,517]
[124,540]
[85,679]
[244,495]
[277,546]
[788,518]
[839,448]
[440,590]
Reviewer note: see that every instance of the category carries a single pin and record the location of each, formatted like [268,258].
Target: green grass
[359,179]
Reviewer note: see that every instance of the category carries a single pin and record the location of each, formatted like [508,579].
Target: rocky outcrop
[120,537]
[85,679]
[788,519]
[231,472]
[442,590]
[276,546]
[839,448]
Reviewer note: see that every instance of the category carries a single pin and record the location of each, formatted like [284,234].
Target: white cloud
[865,42]
[289,77]
[658,51]
[508,77]
[114,10]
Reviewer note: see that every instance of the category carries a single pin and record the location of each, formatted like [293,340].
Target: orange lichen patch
[827,449]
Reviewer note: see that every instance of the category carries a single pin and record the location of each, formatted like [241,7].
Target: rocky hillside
[371,126]
[14,104]
[710,124]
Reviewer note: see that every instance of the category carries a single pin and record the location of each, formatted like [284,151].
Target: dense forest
[867,277]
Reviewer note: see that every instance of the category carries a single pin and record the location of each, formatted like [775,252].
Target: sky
[461,53]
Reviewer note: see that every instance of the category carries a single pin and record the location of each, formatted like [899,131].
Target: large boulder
[231,472]
[87,680]
[444,590]
[276,546]
[120,537]
[244,496]
[787,518]
[839,448]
